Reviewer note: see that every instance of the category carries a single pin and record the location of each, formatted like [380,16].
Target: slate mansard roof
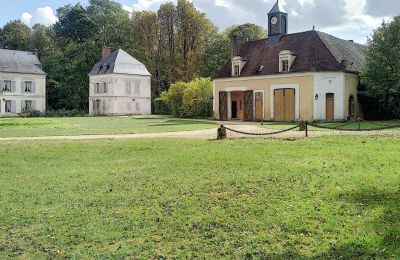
[119,62]
[20,62]
[315,51]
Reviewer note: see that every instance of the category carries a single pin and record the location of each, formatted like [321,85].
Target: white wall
[126,94]
[329,83]
[17,96]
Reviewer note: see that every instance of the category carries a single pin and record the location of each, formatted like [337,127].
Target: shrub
[31,113]
[65,113]
[192,99]
[161,105]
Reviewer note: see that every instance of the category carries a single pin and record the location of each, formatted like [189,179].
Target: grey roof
[350,54]
[119,62]
[20,62]
[278,8]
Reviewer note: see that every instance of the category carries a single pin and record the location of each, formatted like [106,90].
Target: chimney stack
[236,45]
[106,51]
[36,52]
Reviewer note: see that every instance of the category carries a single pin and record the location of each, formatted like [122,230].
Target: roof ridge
[30,52]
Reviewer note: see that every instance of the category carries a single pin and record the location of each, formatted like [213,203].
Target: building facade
[289,77]
[119,85]
[22,83]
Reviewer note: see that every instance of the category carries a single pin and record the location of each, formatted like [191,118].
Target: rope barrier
[304,127]
[355,130]
[263,134]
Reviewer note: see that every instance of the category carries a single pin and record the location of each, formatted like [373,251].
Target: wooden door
[284,105]
[248,105]
[223,105]
[330,107]
[279,105]
[259,99]
[290,105]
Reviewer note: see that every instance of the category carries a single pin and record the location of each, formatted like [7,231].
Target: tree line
[177,44]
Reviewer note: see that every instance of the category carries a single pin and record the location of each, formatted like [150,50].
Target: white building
[22,83]
[119,85]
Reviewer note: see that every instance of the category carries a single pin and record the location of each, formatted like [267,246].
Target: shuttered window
[7,106]
[7,85]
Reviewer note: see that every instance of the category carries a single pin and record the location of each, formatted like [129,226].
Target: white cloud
[44,15]
[26,18]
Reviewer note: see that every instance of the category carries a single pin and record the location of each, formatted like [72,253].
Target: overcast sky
[347,19]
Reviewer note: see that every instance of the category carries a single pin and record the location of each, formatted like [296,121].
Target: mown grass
[18,127]
[325,197]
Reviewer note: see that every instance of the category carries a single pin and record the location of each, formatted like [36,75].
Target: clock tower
[277,23]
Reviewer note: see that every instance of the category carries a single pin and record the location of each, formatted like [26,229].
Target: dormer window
[286,60]
[236,70]
[237,66]
[285,66]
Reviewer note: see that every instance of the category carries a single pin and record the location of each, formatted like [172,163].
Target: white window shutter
[22,105]
[137,108]
[13,106]
[14,85]
[1,85]
[13,88]
[22,86]
[33,87]
[33,105]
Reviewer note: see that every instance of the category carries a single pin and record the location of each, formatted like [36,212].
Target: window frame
[285,65]
[28,88]
[7,108]
[7,85]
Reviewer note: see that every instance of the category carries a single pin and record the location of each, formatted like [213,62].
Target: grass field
[17,127]
[163,198]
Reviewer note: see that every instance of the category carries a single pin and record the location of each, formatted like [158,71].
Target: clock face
[274,20]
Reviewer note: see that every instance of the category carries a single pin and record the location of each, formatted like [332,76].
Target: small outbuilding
[119,85]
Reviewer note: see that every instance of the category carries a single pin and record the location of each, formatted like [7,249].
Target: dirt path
[208,134]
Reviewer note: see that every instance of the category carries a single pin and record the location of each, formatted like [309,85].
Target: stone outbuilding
[119,85]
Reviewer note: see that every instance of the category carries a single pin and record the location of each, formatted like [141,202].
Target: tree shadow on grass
[179,122]
[387,225]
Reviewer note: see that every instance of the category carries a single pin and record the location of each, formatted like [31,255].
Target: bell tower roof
[278,8]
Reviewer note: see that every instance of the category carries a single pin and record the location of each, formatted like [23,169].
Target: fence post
[306,128]
[221,133]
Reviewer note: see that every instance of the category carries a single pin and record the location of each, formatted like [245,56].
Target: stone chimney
[106,51]
[236,45]
[36,52]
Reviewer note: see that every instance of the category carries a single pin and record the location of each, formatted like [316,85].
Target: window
[285,66]
[137,107]
[7,85]
[105,87]
[236,70]
[7,106]
[128,88]
[137,88]
[352,106]
[28,86]
[28,105]
[97,88]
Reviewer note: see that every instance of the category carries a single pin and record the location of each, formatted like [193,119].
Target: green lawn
[17,127]
[166,198]
[342,125]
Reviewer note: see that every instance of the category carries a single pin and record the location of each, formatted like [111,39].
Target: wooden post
[221,133]
[306,128]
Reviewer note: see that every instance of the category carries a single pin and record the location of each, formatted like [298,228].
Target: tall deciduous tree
[74,24]
[247,32]
[16,36]
[381,76]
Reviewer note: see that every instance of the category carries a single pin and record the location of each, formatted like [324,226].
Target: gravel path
[210,134]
